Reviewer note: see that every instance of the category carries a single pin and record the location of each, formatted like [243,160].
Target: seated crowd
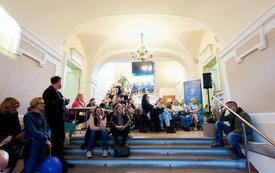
[116,115]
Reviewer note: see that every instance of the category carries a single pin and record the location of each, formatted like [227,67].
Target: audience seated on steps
[120,125]
[9,128]
[165,116]
[97,127]
[234,132]
[196,117]
[180,114]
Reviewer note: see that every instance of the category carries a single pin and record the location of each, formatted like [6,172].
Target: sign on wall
[192,89]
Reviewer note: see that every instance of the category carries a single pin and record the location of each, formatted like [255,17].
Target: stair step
[157,161]
[154,141]
[159,150]
[151,170]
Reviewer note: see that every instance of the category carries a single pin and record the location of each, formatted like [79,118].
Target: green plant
[211,117]
[122,80]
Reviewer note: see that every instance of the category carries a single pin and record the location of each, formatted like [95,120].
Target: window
[9,32]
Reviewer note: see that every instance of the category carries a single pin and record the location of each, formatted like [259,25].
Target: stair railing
[244,122]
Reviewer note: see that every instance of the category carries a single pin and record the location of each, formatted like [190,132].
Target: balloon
[51,165]
[4,159]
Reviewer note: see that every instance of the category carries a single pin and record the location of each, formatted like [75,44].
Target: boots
[169,130]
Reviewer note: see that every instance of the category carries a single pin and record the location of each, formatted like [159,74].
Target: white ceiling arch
[168,55]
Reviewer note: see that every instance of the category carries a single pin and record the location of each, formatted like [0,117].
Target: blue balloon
[51,165]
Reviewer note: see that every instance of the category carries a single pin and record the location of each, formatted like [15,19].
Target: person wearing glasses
[9,128]
[37,131]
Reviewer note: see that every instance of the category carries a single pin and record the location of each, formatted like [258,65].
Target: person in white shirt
[180,114]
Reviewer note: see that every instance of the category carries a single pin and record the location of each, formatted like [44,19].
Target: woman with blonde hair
[97,125]
[78,103]
[9,128]
[120,125]
[36,131]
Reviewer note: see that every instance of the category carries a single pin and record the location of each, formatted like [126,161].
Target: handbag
[25,146]
[69,127]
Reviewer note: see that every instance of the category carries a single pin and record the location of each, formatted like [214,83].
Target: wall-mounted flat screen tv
[142,68]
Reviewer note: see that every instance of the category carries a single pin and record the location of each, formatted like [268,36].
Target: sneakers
[105,153]
[195,129]
[89,154]
[216,145]
[234,157]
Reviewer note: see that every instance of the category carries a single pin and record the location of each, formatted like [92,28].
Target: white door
[72,83]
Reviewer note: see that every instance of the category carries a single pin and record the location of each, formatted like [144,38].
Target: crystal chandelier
[141,53]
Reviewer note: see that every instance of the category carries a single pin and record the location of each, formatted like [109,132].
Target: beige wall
[23,79]
[252,82]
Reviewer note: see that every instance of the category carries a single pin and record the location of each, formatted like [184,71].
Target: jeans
[91,140]
[220,126]
[166,117]
[233,138]
[184,120]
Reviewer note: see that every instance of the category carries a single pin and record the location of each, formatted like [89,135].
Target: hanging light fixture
[141,53]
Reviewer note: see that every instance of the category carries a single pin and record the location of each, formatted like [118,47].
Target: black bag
[24,149]
[122,151]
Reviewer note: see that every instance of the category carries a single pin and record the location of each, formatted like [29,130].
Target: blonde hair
[78,97]
[33,103]
[7,104]
[193,99]
[117,106]
[175,102]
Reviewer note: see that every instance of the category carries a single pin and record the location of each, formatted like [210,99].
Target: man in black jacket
[54,112]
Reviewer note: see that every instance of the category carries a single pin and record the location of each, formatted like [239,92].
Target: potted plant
[122,82]
[211,118]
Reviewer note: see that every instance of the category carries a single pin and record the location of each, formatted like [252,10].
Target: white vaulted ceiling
[108,29]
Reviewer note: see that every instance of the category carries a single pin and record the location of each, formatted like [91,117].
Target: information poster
[192,89]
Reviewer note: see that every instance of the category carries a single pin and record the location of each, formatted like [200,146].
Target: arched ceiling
[109,28]
[52,20]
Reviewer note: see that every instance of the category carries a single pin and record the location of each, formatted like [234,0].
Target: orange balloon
[4,159]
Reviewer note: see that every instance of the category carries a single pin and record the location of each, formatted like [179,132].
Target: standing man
[234,131]
[54,112]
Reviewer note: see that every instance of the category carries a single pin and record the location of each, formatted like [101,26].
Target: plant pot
[208,129]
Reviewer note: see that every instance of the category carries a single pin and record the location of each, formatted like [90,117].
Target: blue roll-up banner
[192,89]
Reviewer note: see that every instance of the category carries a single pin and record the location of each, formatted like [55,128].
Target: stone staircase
[157,153]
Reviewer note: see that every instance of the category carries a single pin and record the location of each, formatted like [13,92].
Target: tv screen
[142,68]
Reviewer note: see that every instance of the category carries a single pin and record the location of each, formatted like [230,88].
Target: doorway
[72,82]
[212,67]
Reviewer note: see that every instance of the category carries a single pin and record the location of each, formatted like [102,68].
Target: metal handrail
[247,123]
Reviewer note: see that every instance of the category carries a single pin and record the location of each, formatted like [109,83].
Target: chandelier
[142,53]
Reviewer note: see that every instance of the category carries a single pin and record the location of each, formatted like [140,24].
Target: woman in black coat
[9,128]
[149,110]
